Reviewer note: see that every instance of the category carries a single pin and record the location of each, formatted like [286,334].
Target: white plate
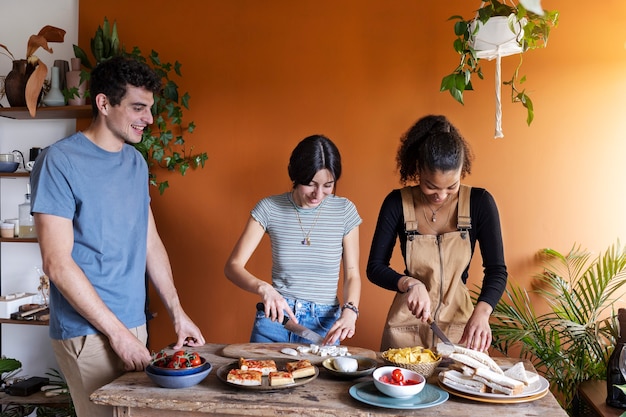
[534,389]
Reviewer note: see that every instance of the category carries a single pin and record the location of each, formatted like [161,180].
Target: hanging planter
[497,30]
[497,37]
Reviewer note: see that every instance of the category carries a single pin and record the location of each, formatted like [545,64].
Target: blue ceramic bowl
[177,372]
[8,166]
[180,381]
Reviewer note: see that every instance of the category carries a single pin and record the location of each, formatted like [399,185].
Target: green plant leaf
[569,343]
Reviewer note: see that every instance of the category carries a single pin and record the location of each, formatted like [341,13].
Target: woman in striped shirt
[312,232]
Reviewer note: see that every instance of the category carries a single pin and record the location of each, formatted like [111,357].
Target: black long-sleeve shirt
[485,229]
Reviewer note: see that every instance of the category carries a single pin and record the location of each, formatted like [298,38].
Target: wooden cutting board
[273,350]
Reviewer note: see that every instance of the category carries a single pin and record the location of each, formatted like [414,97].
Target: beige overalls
[438,262]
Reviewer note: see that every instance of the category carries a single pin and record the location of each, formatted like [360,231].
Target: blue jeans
[317,317]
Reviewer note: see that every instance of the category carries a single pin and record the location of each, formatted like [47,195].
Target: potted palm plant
[517,29]
[163,143]
[572,341]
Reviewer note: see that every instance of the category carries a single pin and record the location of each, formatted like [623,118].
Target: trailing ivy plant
[535,33]
[163,143]
[573,340]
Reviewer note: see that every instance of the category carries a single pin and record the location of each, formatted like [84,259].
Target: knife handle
[261,307]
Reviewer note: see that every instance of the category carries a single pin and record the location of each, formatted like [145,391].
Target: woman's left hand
[343,328]
[477,333]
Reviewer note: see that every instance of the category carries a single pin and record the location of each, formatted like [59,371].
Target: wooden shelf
[15,174]
[38,398]
[61,112]
[18,240]
[29,322]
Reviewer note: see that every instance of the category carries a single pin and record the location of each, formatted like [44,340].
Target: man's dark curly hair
[111,78]
[434,144]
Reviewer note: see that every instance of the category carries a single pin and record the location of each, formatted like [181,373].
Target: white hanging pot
[499,36]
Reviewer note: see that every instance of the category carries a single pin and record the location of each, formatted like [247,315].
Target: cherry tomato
[194,359]
[397,376]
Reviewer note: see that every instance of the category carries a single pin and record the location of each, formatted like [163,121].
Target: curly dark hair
[312,154]
[111,77]
[432,143]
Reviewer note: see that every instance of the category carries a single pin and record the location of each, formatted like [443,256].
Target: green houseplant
[163,143]
[530,30]
[572,341]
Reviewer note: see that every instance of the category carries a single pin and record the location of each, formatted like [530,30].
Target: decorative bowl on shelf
[179,381]
[8,166]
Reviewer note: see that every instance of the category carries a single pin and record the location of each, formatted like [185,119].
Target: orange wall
[264,74]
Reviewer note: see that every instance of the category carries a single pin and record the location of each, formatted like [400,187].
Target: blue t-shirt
[106,196]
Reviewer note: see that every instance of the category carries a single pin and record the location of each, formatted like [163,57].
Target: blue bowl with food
[180,381]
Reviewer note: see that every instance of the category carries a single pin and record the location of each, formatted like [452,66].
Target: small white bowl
[398,391]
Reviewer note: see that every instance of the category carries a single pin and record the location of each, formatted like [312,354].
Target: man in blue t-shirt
[98,238]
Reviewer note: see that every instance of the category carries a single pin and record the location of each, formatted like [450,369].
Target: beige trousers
[88,363]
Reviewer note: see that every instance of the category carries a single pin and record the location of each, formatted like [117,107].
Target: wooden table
[134,395]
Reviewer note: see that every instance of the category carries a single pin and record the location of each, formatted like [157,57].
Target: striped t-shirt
[301,271]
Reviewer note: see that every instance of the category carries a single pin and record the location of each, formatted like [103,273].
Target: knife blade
[438,332]
[296,328]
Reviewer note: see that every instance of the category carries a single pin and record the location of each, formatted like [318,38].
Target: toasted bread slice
[239,377]
[301,368]
[280,378]
[264,366]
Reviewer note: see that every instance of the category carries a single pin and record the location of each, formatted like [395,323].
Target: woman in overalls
[438,221]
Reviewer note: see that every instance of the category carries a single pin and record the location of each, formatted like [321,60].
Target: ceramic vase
[15,84]
[73,81]
[54,97]
[64,67]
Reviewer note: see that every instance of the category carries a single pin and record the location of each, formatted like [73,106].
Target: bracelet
[350,306]
[413,285]
[405,280]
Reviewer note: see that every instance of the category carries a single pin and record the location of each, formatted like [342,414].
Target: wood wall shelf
[28,322]
[19,240]
[60,112]
[15,174]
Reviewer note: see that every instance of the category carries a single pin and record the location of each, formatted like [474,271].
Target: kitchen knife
[439,333]
[296,328]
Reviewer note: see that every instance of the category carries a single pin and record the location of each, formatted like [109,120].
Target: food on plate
[456,379]
[289,351]
[325,350]
[519,372]
[301,368]
[241,377]
[178,360]
[397,378]
[345,364]
[264,366]
[469,357]
[280,378]
[478,372]
[410,355]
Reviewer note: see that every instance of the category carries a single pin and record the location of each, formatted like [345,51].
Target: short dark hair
[111,78]
[312,154]
[432,143]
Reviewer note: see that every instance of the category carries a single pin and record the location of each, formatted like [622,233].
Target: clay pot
[15,84]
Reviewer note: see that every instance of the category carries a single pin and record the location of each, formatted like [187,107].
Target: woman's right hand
[418,300]
[276,305]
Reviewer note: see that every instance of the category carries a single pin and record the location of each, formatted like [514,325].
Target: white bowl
[398,391]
